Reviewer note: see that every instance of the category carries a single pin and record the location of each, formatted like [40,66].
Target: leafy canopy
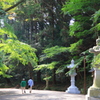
[14,50]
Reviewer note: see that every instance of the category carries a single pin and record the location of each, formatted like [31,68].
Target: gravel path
[15,94]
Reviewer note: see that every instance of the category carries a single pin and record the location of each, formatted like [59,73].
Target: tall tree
[81,12]
[82,30]
[42,25]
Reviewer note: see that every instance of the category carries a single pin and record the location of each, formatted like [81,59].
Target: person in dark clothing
[23,85]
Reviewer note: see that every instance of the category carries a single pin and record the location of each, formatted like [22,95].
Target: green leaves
[96,16]
[8,31]
[19,51]
[96,61]
[96,22]
[3,67]
[46,66]
[74,47]
[15,51]
[50,52]
[47,78]
[72,6]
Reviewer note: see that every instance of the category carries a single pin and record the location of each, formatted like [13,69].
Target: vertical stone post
[94,90]
[73,80]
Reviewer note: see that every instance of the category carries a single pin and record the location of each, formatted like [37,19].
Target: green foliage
[74,47]
[46,66]
[51,52]
[15,50]
[46,70]
[5,4]
[72,6]
[1,10]
[3,67]
[96,16]
[47,78]
[28,9]
[41,24]
[60,69]
[19,51]
[82,12]
[96,22]
[96,61]
[8,30]
[76,26]
[78,6]
[77,30]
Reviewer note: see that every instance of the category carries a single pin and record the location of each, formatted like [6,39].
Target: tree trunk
[54,76]
[39,77]
[30,69]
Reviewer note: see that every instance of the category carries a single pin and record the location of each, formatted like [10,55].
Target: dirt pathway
[15,94]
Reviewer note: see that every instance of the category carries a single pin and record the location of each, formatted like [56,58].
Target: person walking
[23,85]
[30,84]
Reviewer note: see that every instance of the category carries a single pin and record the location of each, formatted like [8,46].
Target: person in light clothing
[30,84]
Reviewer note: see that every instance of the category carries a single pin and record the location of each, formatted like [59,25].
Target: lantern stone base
[93,94]
[73,89]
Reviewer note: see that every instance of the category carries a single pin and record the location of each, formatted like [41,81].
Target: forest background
[39,38]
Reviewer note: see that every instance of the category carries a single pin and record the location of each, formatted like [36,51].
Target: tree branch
[14,6]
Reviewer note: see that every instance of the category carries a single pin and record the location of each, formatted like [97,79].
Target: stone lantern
[72,73]
[94,90]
